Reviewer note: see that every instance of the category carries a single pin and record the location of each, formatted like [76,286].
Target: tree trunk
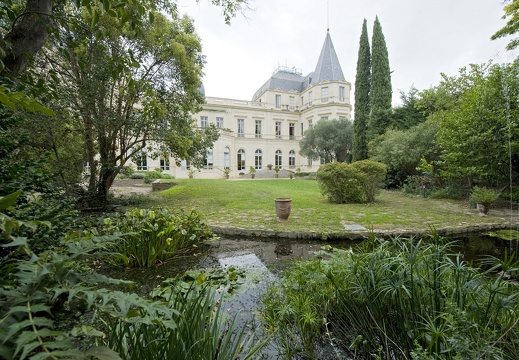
[27,36]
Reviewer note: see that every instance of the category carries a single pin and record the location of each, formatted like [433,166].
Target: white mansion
[267,130]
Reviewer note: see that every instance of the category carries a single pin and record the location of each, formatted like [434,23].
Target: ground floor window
[227,158]
[292,158]
[209,159]
[164,162]
[241,159]
[142,162]
[277,159]
[258,159]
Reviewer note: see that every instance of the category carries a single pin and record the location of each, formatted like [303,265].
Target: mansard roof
[289,79]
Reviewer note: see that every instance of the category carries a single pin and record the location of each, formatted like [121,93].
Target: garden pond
[245,267]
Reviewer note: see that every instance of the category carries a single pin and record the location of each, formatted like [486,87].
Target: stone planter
[283,207]
[483,208]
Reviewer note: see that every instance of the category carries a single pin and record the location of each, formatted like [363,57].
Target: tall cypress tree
[381,91]
[362,94]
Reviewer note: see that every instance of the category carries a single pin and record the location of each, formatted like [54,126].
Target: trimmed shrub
[341,183]
[375,173]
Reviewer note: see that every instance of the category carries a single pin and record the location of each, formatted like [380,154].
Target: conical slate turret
[328,66]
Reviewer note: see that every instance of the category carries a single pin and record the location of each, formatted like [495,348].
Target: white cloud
[424,38]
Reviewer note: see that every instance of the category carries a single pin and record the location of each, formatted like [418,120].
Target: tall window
[278,129]
[278,101]
[258,158]
[258,129]
[227,158]
[292,131]
[310,98]
[241,127]
[203,121]
[142,161]
[164,162]
[341,93]
[292,158]
[302,129]
[309,162]
[219,122]
[291,102]
[209,159]
[277,159]
[324,94]
[310,124]
[241,159]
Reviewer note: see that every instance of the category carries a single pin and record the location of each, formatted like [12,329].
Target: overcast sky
[424,38]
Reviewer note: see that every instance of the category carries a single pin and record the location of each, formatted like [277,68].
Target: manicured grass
[249,204]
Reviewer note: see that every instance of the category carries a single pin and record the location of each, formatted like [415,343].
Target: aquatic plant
[401,299]
[151,236]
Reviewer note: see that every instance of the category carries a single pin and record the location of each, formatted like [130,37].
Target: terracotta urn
[283,207]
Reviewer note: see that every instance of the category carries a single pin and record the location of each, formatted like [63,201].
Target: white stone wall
[265,110]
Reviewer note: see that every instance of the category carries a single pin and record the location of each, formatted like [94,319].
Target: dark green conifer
[381,91]
[362,95]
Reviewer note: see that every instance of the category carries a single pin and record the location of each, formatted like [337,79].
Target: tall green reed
[402,298]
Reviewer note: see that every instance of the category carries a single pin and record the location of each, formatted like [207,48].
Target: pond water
[263,259]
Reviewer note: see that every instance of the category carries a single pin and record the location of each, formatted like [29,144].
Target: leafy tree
[402,150]
[512,26]
[479,136]
[28,24]
[329,140]
[362,97]
[381,90]
[127,91]
[407,114]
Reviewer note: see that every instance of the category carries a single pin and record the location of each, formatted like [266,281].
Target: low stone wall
[157,185]
[128,182]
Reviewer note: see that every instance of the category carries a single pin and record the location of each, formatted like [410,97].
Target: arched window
[227,158]
[209,159]
[241,159]
[258,159]
[292,158]
[277,160]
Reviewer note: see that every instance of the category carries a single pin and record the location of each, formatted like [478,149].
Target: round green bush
[375,173]
[341,183]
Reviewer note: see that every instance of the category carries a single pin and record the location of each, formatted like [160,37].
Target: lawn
[249,204]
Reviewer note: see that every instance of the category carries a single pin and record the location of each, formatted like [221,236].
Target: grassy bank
[249,204]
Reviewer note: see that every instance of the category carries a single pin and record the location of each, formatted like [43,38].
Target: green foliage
[477,135]
[295,310]
[407,115]
[341,183]
[138,175]
[362,98]
[196,330]
[381,90]
[511,9]
[329,140]
[483,195]
[398,298]
[402,150]
[374,175]
[153,236]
